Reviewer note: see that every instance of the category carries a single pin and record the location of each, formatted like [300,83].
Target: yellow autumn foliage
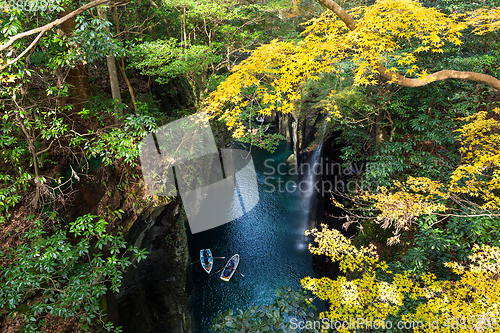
[477,177]
[401,205]
[351,258]
[484,20]
[381,30]
[271,78]
[479,173]
[471,303]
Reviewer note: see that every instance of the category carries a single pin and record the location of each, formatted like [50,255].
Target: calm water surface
[269,239]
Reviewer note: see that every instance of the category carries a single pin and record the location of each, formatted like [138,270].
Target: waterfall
[308,191]
[312,176]
[311,173]
[309,188]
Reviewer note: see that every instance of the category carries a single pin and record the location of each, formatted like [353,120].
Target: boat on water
[230,268]
[207,260]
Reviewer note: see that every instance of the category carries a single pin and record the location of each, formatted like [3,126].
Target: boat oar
[217,271]
[240,273]
[194,262]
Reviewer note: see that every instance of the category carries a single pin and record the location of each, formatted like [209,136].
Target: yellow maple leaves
[361,297]
[484,20]
[469,303]
[268,80]
[271,78]
[477,177]
[384,28]
[6,77]
[479,173]
[333,244]
[401,205]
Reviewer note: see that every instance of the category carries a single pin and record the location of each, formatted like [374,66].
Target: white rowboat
[230,268]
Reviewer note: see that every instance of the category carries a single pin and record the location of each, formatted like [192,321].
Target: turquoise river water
[269,239]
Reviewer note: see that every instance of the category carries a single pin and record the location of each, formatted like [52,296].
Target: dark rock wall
[153,296]
[154,292]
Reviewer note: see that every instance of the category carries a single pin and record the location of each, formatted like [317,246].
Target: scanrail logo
[181,157]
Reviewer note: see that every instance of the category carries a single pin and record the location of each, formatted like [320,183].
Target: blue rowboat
[207,260]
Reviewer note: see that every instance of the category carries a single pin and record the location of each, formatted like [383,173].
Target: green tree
[50,275]
[288,313]
[206,39]
[48,123]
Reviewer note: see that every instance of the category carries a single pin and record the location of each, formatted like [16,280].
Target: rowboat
[230,268]
[206,259]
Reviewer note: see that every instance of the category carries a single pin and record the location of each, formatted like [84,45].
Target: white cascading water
[308,190]
[309,186]
[312,176]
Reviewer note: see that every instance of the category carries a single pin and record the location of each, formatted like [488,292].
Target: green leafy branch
[52,275]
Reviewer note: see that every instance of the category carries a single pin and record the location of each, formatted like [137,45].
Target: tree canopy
[384,42]
[411,89]
[81,84]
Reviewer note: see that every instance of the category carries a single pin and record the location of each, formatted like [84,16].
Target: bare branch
[32,45]
[51,25]
[440,76]
[46,149]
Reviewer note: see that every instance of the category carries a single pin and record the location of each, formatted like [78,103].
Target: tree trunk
[31,147]
[78,76]
[113,75]
[61,100]
[115,88]
[380,130]
[184,25]
[121,66]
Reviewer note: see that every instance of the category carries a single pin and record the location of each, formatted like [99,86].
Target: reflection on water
[269,239]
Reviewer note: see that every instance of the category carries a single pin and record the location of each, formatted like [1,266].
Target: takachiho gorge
[269,239]
[246,239]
